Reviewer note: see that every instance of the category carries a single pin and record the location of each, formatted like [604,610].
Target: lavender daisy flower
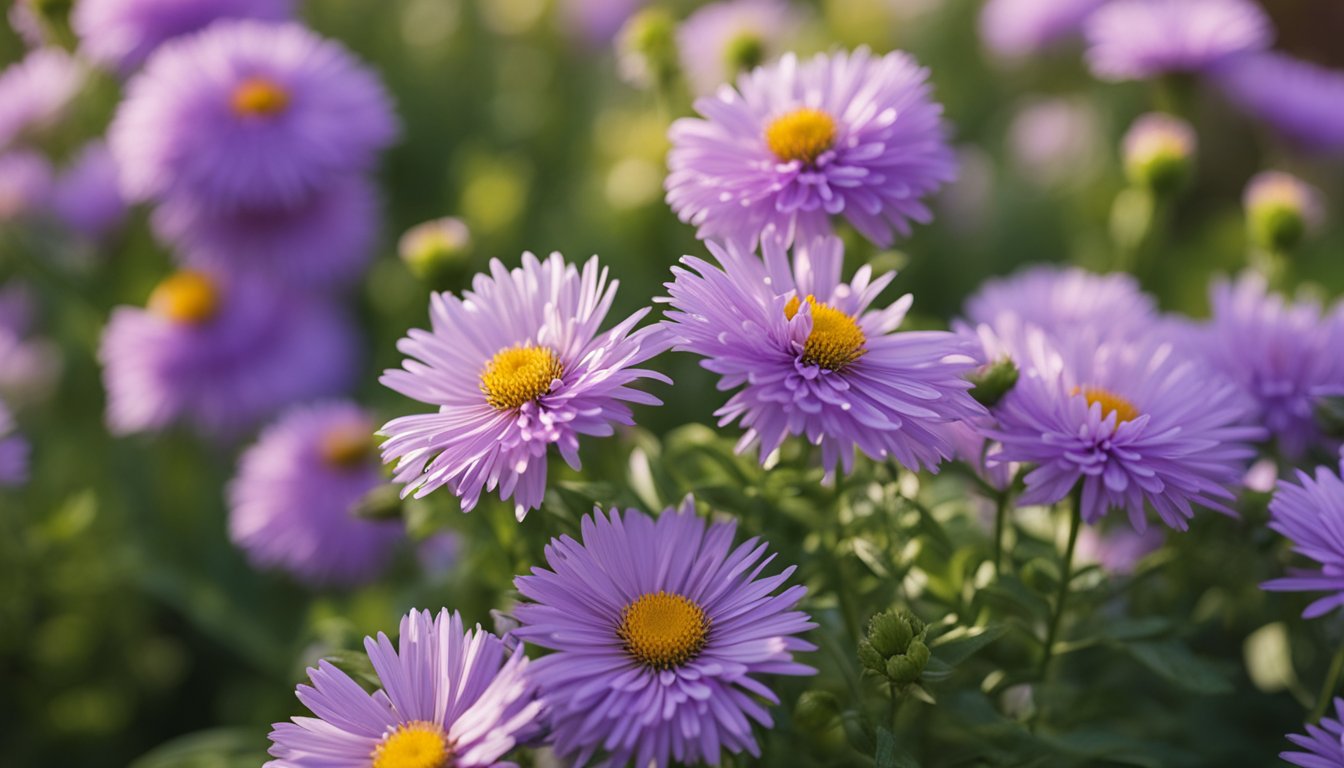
[220,355]
[449,698]
[1136,424]
[660,629]
[325,240]
[1140,39]
[1302,101]
[292,504]
[1282,355]
[246,115]
[86,196]
[121,34]
[845,134]
[36,93]
[25,185]
[515,366]
[722,39]
[811,357]
[1015,29]
[13,452]
[1324,742]
[1309,514]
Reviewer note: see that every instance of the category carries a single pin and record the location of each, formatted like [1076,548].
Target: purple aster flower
[1309,514]
[325,240]
[1282,355]
[1140,39]
[1119,550]
[86,196]
[221,355]
[660,629]
[121,34]
[845,134]
[246,115]
[1016,29]
[812,357]
[292,504]
[1137,424]
[1324,742]
[25,185]
[24,20]
[515,365]
[1056,141]
[13,452]
[1302,101]
[36,93]
[725,38]
[449,698]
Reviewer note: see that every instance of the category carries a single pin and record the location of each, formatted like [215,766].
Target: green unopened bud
[1159,153]
[906,668]
[1281,210]
[894,647]
[816,710]
[437,251]
[993,381]
[743,53]
[647,48]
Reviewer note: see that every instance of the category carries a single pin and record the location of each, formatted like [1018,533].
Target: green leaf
[356,664]
[1175,663]
[961,643]
[889,755]
[217,748]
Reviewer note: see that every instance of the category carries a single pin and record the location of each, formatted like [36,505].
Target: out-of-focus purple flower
[24,20]
[86,196]
[221,356]
[121,34]
[1323,742]
[13,452]
[1140,39]
[844,134]
[968,200]
[723,39]
[810,356]
[325,240]
[25,185]
[1310,514]
[1056,141]
[36,92]
[514,366]
[293,501]
[1136,424]
[439,553]
[1016,29]
[247,115]
[1118,550]
[1283,355]
[1302,101]
[597,21]
[449,698]
[29,365]
[660,629]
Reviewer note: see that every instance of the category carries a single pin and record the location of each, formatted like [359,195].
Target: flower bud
[895,648]
[437,251]
[993,381]
[1159,152]
[647,48]
[1281,210]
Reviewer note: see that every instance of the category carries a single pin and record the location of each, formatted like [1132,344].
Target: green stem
[1000,514]
[1065,576]
[895,706]
[1331,685]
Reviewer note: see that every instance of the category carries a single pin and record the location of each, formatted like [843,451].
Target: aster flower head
[515,365]
[796,143]
[448,698]
[1015,29]
[811,356]
[36,93]
[86,196]
[1118,550]
[1309,513]
[1323,742]
[248,115]
[1137,424]
[1281,354]
[221,355]
[725,38]
[292,504]
[1141,39]
[660,629]
[1303,102]
[13,452]
[121,34]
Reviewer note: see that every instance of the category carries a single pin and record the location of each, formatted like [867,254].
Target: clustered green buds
[895,647]
[993,381]
[647,48]
[1159,153]
[1280,211]
[436,251]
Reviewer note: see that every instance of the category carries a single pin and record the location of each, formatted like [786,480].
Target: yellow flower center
[185,297]
[836,339]
[414,745]
[1110,403]
[346,445]
[259,97]
[663,630]
[801,135]
[518,375]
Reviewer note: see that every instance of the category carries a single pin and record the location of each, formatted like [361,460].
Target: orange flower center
[801,135]
[836,339]
[186,297]
[259,97]
[663,630]
[1110,403]
[518,375]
